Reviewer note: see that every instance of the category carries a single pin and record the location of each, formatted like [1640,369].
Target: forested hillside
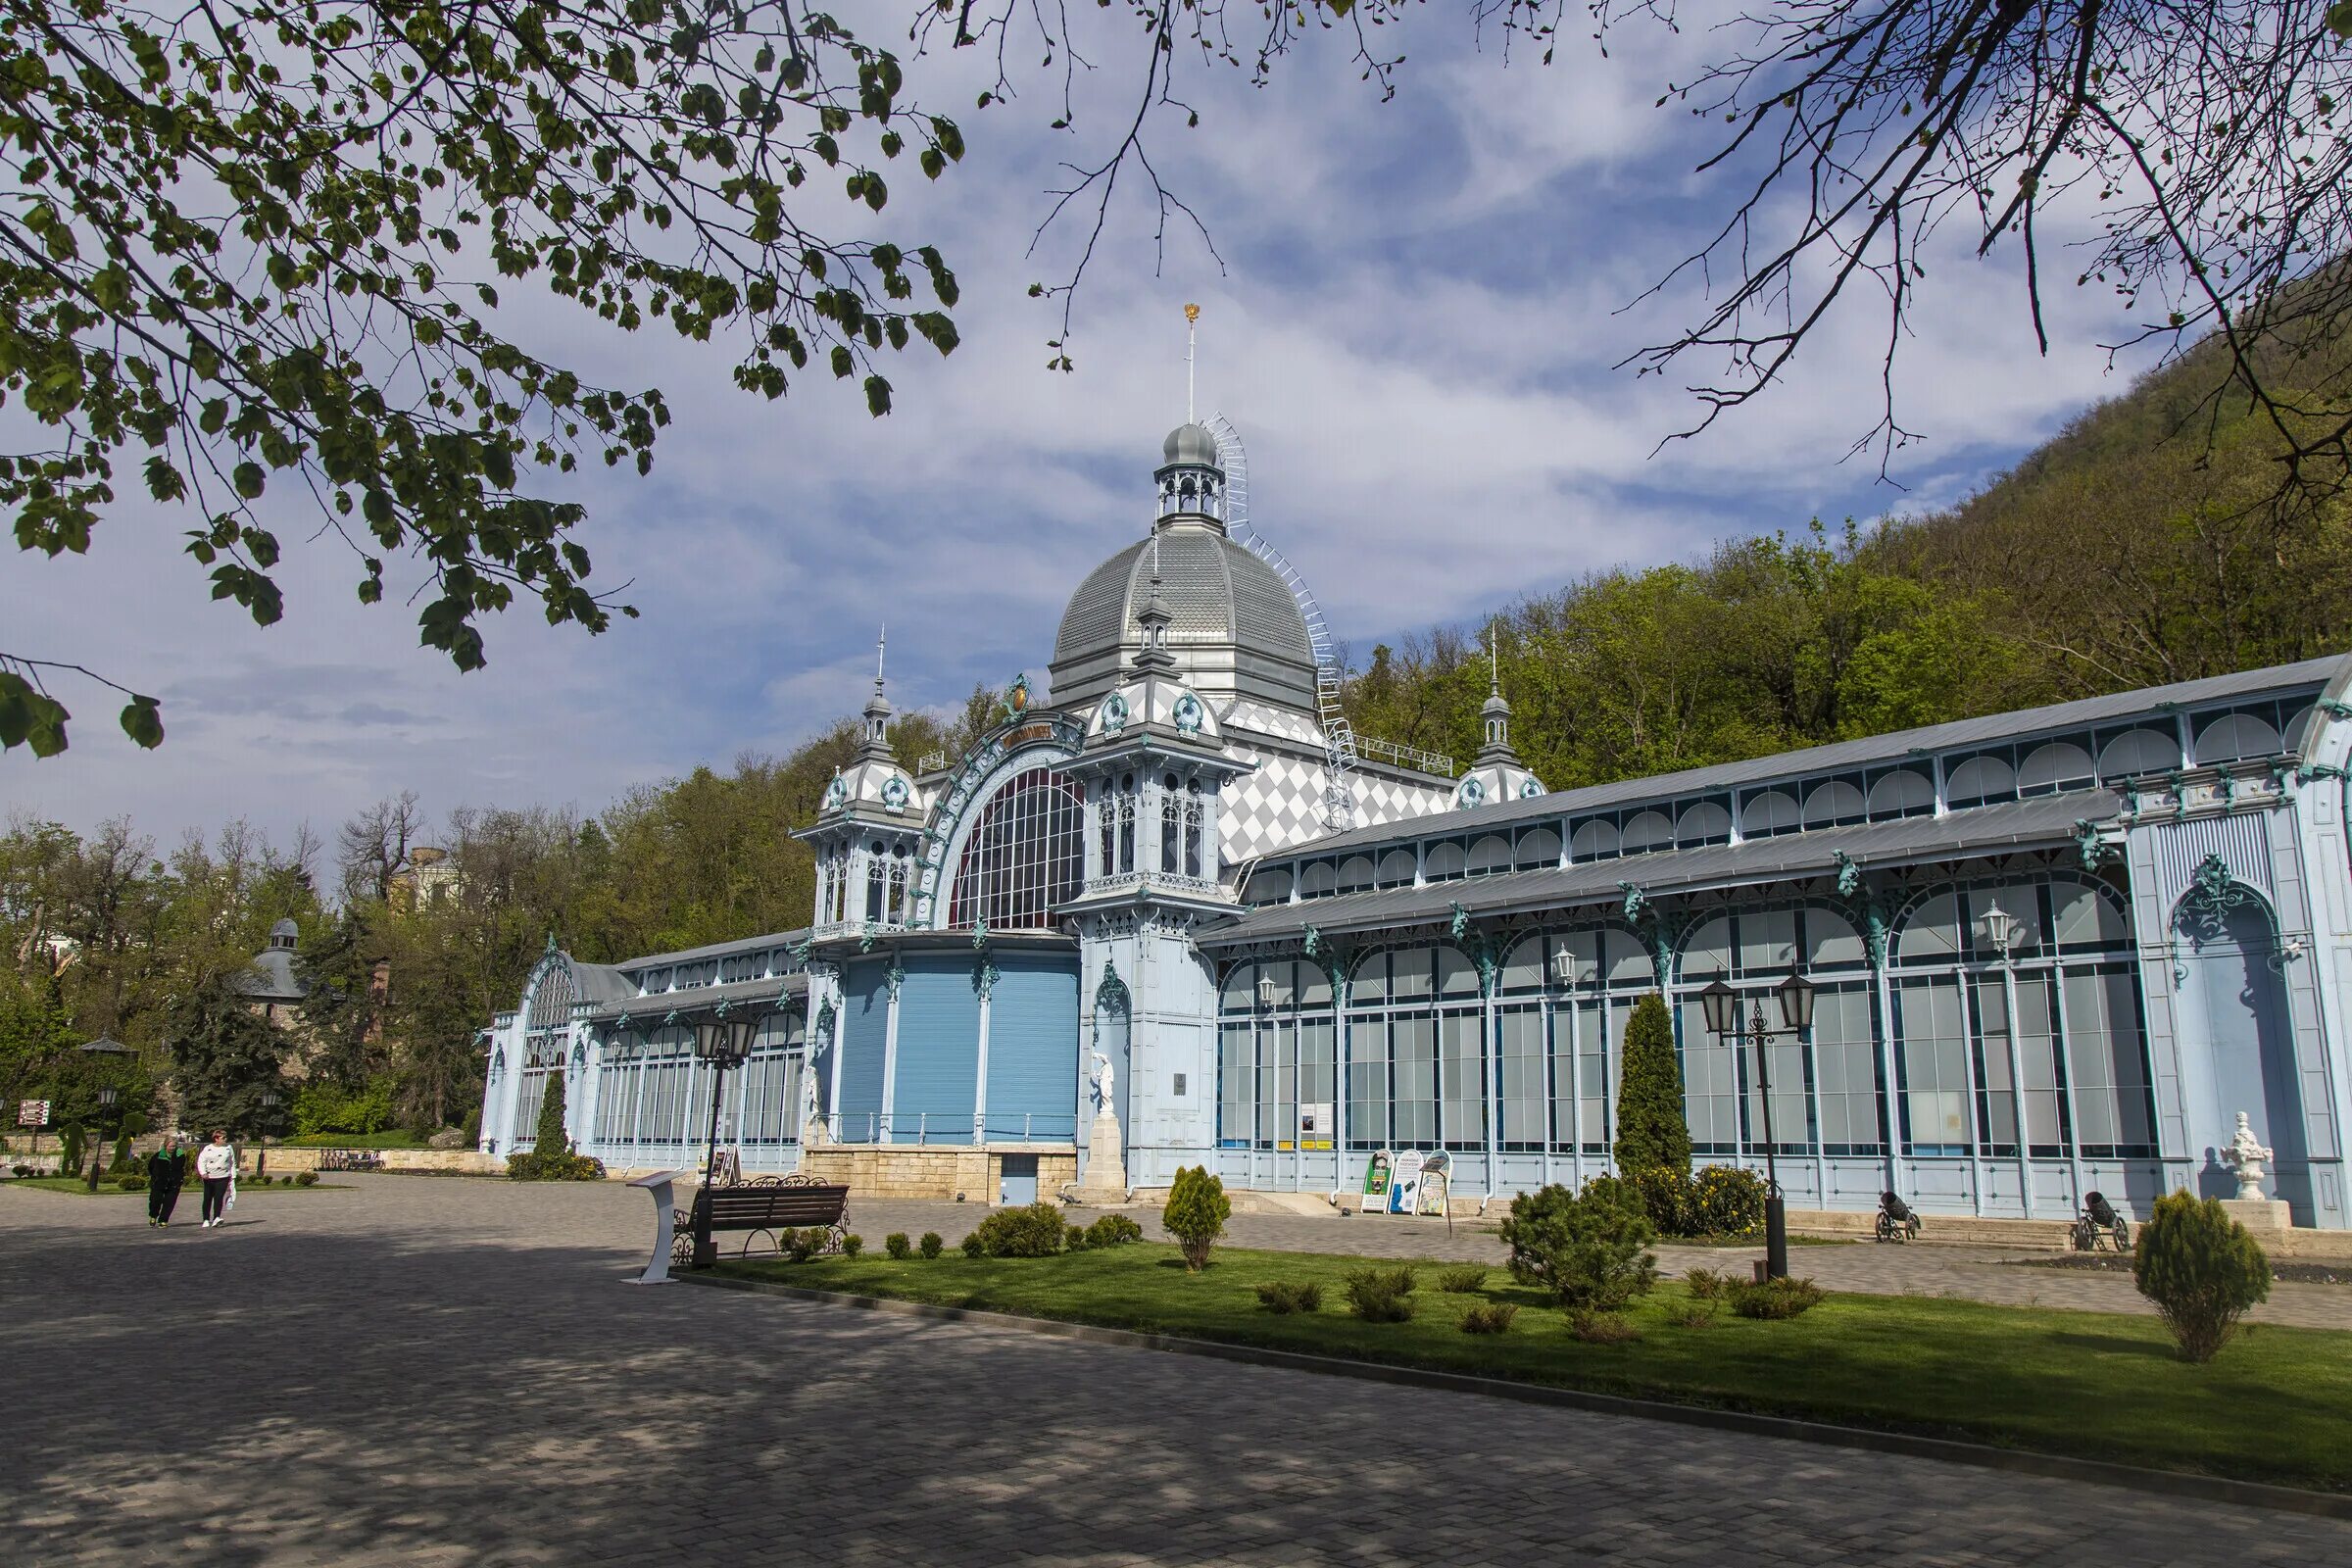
[2134,548]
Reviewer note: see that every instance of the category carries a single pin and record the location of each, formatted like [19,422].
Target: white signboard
[1315,1126]
[32,1113]
[1405,1191]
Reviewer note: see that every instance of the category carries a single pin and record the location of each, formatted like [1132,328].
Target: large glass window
[1024,855]
[1845,1058]
[2107,1058]
[1522,1061]
[1934,1063]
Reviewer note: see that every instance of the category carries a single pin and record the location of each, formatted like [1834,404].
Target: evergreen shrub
[1705,1284]
[1669,1197]
[1114,1230]
[1495,1317]
[1772,1300]
[851,1244]
[1032,1231]
[930,1244]
[1196,1214]
[1602,1328]
[972,1246]
[550,1157]
[1381,1295]
[1076,1238]
[132,1183]
[1281,1296]
[308,1178]
[895,1244]
[1589,1249]
[2201,1269]
[1693,1314]
[1651,1132]
[1463,1281]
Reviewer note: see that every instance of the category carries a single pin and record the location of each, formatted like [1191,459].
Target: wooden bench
[764,1206]
[350,1159]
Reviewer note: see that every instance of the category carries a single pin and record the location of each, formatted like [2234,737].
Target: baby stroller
[2100,1225]
[1897,1221]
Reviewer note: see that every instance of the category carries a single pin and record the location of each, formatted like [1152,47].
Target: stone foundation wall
[900,1170]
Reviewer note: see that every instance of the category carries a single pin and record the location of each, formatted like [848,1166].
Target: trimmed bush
[1602,1328]
[1495,1317]
[930,1244]
[1589,1249]
[132,1184]
[1727,1201]
[895,1244]
[851,1244]
[1669,1197]
[972,1246]
[2201,1269]
[1705,1283]
[1196,1214]
[1279,1296]
[1651,1133]
[1772,1300]
[1381,1295]
[1114,1230]
[550,1157]
[1463,1281]
[308,1178]
[801,1245]
[1076,1238]
[1032,1231]
[1697,1314]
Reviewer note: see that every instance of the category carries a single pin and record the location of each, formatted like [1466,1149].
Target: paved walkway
[422,1372]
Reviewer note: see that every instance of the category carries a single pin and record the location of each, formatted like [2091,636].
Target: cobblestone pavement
[423,1372]
[1975,1273]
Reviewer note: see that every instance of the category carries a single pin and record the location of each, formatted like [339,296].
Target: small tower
[868,827]
[1496,772]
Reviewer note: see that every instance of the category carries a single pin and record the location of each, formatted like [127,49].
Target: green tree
[225,1059]
[1651,1131]
[1196,1214]
[2201,1269]
[1590,1249]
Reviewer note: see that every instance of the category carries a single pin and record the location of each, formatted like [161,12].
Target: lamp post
[2001,932]
[270,1101]
[108,1094]
[724,1042]
[1721,1005]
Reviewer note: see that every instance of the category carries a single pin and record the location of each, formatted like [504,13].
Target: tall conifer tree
[1650,1130]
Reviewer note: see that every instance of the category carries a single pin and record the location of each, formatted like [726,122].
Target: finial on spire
[1494,662]
[1192,325]
[881,642]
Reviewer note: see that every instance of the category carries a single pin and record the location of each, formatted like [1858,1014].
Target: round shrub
[1727,1201]
[1381,1295]
[851,1246]
[1196,1214]
[1492,1318]
[972,1246]
[1032,1231]
[1669,1197]
[1772,1299]
[1114,1230]
[132,1184]
[1589,1249]
[895,1244]
[2201,1269]
[1463,1281]
[308,1178]
[930,1244]
[1283,1297]
[1076,1240]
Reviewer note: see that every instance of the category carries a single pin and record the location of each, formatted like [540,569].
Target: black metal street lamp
[105,1046]
[723,1042]
[270,1101]
[1721,1005]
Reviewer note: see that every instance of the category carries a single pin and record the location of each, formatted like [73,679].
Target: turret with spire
[1495,773]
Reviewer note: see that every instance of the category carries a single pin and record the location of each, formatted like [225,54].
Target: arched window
[1492,853]
[1397,869]
[2235,735]
[1703,824]
[877,883]
[1650,830]
[1767,811]
[2138,751]
[1832,802]
[1171,825]
[1539,846]
[1980,779]
[2052,768]
[1593,840]
[1900,792]
[1023,856]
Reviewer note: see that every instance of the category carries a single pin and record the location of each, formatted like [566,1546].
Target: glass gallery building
[2055,950]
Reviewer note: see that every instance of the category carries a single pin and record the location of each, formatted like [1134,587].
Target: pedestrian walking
[167,1174]
[217,1166]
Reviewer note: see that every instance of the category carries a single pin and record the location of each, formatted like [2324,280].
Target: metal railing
[954,1128]
[1412,756]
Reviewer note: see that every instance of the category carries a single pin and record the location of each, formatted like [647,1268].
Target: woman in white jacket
[217,1166]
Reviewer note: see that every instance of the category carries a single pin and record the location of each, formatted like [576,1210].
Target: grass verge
[2088,1385]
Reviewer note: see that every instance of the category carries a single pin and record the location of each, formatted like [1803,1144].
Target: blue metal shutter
[1033,1047]
[864,1028]
[939,1050]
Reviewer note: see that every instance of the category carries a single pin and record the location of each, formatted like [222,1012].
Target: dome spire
[1192,325]
[1156,656]
[877,707]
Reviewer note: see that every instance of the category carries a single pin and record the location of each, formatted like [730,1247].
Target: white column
[889,1064]
[980,1074]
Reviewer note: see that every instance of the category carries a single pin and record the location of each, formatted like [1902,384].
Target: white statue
[1102,1076]
[812,1124]
[2245,1155]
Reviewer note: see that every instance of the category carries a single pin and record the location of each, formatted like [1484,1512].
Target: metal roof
[1217,594]
[1903,744]
[702,999]
[270,977]
[2045,820]
[719,950]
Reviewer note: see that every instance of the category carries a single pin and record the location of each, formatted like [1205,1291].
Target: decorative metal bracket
[2090,850]
[1850,875]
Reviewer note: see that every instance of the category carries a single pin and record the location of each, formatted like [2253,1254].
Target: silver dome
[1191,443]
[1234,627]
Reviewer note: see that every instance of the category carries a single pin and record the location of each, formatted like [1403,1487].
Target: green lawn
[188,1194]
[2272,1407]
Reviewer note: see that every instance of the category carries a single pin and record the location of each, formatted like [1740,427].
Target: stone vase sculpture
[2246,1155]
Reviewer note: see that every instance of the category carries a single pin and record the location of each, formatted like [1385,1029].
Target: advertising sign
[1315,1126]
[1376,1184]
[32,1113]
[1437,1177]
[1405,1190]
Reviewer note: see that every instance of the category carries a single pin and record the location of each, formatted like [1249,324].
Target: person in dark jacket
[166,1173]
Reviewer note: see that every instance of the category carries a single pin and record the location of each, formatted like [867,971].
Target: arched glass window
[1171,825]
[2049,768]
[1766,813]
[1539,846]
[2138,751]
[1832,802]
[2235,735]
[1593,840]
[1493,852]
[1900,792]
[1023,856]
[1979,779]
[1703,824]
[1649,830]
[1397,869]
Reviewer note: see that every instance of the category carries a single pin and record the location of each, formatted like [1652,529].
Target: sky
[1413,315]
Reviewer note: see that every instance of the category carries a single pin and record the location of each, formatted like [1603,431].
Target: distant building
[2055,951]
[273,983]
[428,877]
